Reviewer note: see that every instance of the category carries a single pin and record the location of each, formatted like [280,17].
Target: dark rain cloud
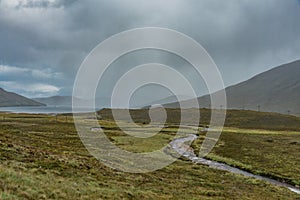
[243,37]
[43,4]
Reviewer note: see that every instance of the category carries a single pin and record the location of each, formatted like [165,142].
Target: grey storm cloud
[43,4]
[243,37]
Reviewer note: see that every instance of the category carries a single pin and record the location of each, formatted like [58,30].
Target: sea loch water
[44,109]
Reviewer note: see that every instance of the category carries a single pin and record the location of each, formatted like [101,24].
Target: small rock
[294,143]
[10,145]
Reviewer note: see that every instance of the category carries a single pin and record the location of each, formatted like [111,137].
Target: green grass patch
[43,158]
[274,154]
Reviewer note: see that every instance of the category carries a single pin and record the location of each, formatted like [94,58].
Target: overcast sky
[43,42]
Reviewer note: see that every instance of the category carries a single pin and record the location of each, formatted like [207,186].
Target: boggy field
[42,157]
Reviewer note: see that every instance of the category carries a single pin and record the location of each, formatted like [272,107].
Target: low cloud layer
[48,39]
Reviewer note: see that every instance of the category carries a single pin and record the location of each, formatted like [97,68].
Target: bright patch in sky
[17,3]
[29,82]
[30,89]
[35,73]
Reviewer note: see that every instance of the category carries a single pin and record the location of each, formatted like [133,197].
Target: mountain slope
[55,100]
[170,99]
[10,99]
[67,101]
[276,90]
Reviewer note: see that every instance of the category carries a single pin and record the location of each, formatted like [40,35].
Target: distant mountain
[67,101]
[10,99]
[101,102]
[276,90]
[55,100]
[167,100]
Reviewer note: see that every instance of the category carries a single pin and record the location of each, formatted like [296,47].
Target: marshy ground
[42,157]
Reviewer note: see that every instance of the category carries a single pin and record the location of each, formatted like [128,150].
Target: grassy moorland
[43,158]
[274,154]
[245,119]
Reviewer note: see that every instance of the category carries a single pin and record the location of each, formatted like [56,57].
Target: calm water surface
[44,109]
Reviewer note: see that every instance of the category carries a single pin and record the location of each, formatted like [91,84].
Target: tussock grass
[43,158]
[274,154]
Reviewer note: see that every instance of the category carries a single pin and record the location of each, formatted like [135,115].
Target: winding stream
[180,147]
